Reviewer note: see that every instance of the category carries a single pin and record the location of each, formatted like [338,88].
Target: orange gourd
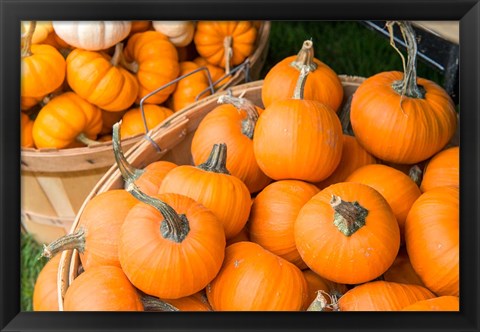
[396,187]
[133,122]
[322,85]
[347,233]
[212,185]
[399,118]
[97,236]
[382,296]
[298,138]
[26,126]
[42,68]
[254,279]
[432,239]
[154,60]
[190,88]
[232,123]
[45,291]
[225,43]
[441,303]
[170,245]
[354,156]
[402,271]
[442,170]
[103,288]
[273,214]
[100,79]
[64,119]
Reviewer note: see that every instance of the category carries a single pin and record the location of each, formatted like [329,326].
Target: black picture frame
[13,11]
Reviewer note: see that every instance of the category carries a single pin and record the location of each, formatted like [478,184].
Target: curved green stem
[27,40]
[415,173]
[129,173]
[217,160]
[227,45]
[68,242]
[85,140]
[305,57]
[151,303]
[119,59]
[248,124]
[349,217]
[300,87]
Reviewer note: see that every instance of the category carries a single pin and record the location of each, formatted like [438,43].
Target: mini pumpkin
[441,303]
[133,121]
[180,33]
[45,291]
[442,170]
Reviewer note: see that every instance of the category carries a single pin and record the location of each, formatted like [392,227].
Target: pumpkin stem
[300,87]
[27,40]
[217,160]
[174,227]
[248,124]
[129,173]
[415,173]
[68,242]
[349,216]
[408,86]
[227,45]
[151,303]
[119,59]
[305,57]
[319,303]
[85,140]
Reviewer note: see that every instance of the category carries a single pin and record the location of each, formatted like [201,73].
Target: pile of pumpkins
[78,78]
[282,210]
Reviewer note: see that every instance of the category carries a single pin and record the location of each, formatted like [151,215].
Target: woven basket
[56,182]
[174,137]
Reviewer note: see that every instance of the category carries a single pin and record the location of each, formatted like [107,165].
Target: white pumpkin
[42,29]
[180,33]
[92,35]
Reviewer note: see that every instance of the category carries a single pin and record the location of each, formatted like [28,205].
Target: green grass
[347,47]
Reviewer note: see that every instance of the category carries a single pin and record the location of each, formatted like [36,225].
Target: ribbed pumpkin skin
[225,195]
[157,61]
[402,271]
[432,239]
[42,29]
[273,214]
[354,259]
[104,288]
[442,170]
[407,134]
[42,72]
[382,296]
[132,120]
[164,268]
[441,303]
[189,87]
[93,77]
[224,124]
[102,218]
[64,118]
[209,40]
[45,294]
[151,179]
[396,187]
[322,84]
[254,279]
[354,156]
[298,139]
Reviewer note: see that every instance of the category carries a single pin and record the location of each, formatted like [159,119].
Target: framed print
[124,181]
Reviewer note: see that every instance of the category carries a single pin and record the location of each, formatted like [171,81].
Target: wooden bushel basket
[54,183]
[174,137]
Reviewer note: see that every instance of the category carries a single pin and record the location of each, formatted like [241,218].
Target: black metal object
[437,52]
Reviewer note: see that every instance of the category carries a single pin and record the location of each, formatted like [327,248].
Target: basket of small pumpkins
[79,78]
[262,188]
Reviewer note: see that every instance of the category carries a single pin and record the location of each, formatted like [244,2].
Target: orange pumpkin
[442,170]
[190,88]
[103,288]
[232,123]
[154,60]
[42,68]
[140,26]
[273,215]
[101,80]
[298,138]
[432,239]
[45,294]
[354,156]
[64,119]
[441,303]
[216,73]
[253,278]
[399,118]
[177,240]
[347,233]
[212,185]
[396,187]
[402,271]
[97,237]
[382,296]
[322,84]
[225,43]
[133,121]
[26,126]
